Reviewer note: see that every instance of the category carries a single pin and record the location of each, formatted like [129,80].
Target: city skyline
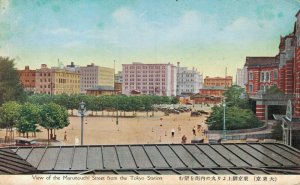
[200,34]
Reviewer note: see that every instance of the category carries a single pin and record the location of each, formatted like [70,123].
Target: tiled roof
[242,158]
[12,163]
[261,61]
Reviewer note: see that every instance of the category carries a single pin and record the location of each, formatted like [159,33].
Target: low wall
[239,131]
[246,136]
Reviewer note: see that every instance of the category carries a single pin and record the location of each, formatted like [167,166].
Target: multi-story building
[156,79]
[188,81]
[57,80]
[240,77]
[262,73]
[27,78]
[282,70]
[218,81]
[213,89]
[92,76]
[119,77]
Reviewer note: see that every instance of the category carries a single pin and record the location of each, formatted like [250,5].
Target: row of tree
[101,103]
[27,117]
[238,113]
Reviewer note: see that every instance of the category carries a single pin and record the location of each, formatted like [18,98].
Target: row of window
[58,86]
[143,87]
[145,75]
[150,83]
[144,80]
[262,87]
[145,67]
[265,76]
[186,80]
[138,72]
[217,84]
[186,75]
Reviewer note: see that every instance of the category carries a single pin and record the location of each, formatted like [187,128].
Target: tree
[236,118]
[174,100]
[8,117]
[10,87]
[28,118]
[233,97]
[53,116]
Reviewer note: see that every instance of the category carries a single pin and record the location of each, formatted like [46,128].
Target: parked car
[26,142]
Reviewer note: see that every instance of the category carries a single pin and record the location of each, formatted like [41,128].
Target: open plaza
[141,129]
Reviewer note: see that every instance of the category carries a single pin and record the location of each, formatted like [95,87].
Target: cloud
[123,15]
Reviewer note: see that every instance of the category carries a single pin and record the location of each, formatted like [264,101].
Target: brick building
[213,89]
[218,81]
[282,70]
[56,80]
[156,79]
[27,78]
[262,73]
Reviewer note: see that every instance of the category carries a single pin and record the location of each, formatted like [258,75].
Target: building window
[262,76]
[267,76]
[250,87]
[275,75]
[250,76]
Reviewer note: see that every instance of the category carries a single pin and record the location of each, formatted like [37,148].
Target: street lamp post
[117,120]
[224,121]
[81,111]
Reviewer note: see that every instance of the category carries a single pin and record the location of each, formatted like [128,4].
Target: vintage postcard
[149,92]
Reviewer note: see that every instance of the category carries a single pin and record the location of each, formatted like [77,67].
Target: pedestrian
[172,132]
[183,139]
[65,136]
[194,131]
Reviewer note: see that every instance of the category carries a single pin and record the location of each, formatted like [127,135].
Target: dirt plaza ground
[141,129]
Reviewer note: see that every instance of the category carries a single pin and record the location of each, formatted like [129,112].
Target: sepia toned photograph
[149,92]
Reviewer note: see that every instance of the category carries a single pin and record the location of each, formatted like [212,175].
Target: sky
[209,35]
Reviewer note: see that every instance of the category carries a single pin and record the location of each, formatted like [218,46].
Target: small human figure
[194,131]
[183,139]
[172,132]
[65,136]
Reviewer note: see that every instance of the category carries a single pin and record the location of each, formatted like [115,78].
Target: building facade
[119,77]
[240,77]
[56,80]
[282,71]
[188,81]
[213,89]
[92,76]
[218,81]
[155,79]
[262,73]
[27,78]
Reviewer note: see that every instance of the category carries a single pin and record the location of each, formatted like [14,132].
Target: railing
[264,96]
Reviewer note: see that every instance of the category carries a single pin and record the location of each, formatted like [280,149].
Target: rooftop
[260,61]
[241,158]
